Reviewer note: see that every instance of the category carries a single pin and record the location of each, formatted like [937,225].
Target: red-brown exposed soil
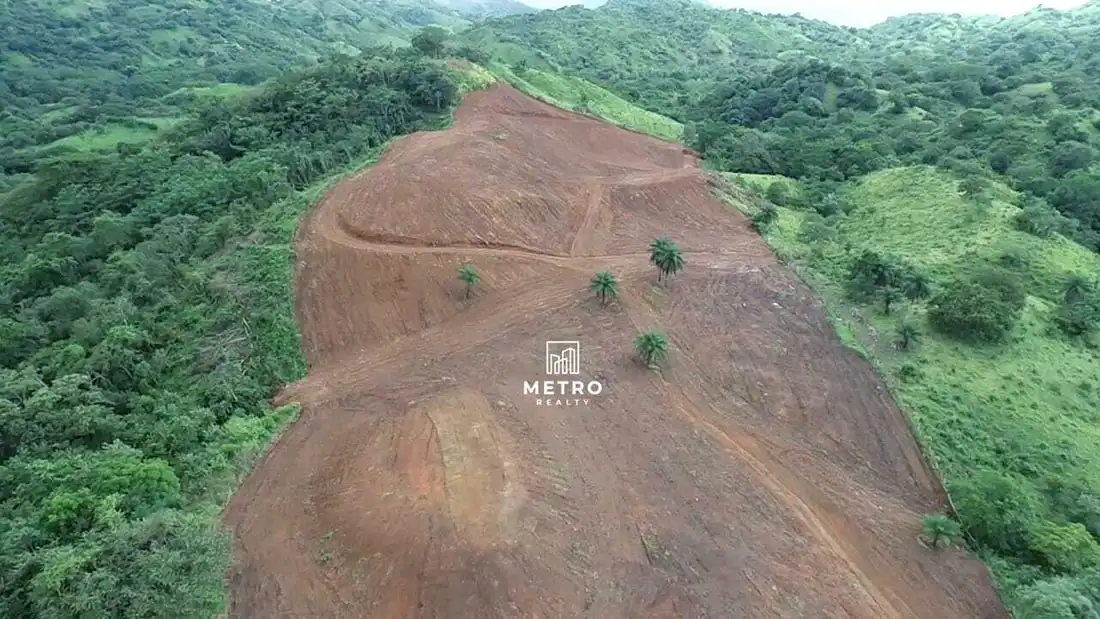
[764,472]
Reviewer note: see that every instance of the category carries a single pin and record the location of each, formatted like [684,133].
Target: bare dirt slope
[764,473]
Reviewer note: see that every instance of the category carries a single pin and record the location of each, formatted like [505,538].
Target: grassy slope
[571,93]
[1032,404]
[107,137]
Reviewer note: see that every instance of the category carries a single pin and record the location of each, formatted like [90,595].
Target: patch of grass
[759,183]
[171,36]
[1030,406]
[106,137]
[326,548]
[574,93]
[472,76]
[1038,88]
[890,204]
[162,122]
[225,90]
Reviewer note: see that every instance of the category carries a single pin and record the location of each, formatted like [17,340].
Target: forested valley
[935,178]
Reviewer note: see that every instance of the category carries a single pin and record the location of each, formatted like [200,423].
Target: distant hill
[659,53]
[477,9]
[69,67]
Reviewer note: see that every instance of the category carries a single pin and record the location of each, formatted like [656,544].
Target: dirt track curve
[764,472]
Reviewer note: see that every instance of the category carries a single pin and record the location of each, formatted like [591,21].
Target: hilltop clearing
[762,471]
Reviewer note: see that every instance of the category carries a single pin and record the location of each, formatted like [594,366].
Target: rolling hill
[934,180]
[90,75]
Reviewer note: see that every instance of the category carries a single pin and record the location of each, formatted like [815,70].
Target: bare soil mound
[764,472]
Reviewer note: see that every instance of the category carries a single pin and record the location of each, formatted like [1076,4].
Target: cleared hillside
[764,471]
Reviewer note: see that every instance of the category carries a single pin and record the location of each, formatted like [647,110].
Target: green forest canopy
[119,70]
[154,171]
[146,321]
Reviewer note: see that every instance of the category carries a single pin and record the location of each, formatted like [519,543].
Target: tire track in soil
[350,378]
[328,225]
[583,239]
[467,330]
[780,481]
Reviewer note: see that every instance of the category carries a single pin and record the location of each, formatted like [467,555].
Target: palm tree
[666,256]
[469,276]
[908,335]
[939,530]
[673,261]
[658,248]
[652,347]
[605,285]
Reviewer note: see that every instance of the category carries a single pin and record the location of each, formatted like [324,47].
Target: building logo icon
[563,358]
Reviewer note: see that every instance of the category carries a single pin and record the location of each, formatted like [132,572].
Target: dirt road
[764,472]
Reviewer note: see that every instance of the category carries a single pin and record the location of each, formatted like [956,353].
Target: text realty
[554,392]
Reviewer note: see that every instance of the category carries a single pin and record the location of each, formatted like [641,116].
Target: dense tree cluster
[144,324]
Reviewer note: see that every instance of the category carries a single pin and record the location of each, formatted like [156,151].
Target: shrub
[939,531]
[764,218]
[1064,547]
[777,193]
[1053,598]
[1080,310]
[872,273]
[1039,219]
[908,334]
[977,310]
[1080,317]
[997,510]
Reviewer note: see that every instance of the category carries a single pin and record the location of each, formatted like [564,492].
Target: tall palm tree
[890,295]
[658,248]
[605,285]
[666,256]
[917,286]
[469,276]
[671,261]
[652,347]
